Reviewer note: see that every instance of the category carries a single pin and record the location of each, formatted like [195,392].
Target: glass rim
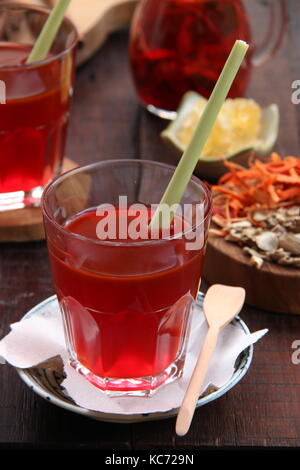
[48,60]
[51,186]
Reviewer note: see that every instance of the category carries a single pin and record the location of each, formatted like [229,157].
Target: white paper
[41,337]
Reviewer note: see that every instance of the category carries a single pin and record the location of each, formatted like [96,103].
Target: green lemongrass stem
[45,40]
[190,157]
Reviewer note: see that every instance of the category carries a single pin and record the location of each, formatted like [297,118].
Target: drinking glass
[34,113]
[126,301]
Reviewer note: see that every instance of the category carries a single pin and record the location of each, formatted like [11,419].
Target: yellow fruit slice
[242,124]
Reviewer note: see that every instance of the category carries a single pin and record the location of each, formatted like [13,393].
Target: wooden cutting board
[95,20]
[273,287]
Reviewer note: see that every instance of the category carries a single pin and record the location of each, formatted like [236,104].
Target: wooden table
[264,409]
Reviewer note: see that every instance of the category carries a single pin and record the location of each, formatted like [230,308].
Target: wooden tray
[95,20]
[273,287]
[23,225]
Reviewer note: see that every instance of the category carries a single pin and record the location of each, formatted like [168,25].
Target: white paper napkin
[40,337]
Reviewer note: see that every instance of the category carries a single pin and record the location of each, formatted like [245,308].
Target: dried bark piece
[275,239]
[267,241]
[255,258]
[290,243]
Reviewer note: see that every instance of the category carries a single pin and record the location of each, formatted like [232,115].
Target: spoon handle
[189,402]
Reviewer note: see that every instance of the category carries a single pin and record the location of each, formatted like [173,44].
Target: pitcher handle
[275,33]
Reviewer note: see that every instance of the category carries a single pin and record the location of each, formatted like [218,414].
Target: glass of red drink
[181,45]
[34,113]
[126,296]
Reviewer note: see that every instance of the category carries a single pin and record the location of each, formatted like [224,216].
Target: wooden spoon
[221,304]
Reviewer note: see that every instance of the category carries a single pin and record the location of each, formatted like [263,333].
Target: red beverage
[182,45]
[126,292]
[132,301]
[33,122]
[35,115]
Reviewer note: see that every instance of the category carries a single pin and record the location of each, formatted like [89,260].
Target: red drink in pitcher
[182,45]
[126,297]
[186,49]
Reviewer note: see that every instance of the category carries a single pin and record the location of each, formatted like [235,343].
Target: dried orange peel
[264,185]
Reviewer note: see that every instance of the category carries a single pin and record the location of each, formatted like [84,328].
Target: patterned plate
[47,382]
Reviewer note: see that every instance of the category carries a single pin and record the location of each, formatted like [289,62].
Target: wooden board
[23,225]
[95,20]
[273,287]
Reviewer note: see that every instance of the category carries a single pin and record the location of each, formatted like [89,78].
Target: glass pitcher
[181,45]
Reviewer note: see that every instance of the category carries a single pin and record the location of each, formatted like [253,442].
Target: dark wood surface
[264,409]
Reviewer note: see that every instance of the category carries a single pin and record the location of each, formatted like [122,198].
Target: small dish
[211,168]
[47,383]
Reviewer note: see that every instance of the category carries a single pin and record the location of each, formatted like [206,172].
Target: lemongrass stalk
[45,40]
[190,157]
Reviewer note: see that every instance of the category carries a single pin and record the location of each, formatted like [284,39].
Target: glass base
[163,114]
[132,387]
[20,199]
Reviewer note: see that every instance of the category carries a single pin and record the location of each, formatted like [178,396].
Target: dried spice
[259,208]
[271,241]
